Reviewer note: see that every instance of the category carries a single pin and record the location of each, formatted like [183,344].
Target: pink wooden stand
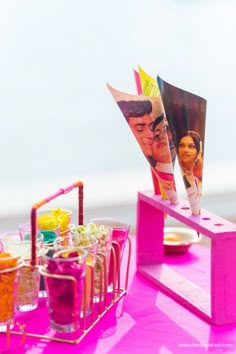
[218,306]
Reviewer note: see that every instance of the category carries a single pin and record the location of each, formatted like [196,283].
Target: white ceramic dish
[179,239]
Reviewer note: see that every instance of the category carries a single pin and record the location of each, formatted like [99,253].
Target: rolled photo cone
[140,82]
[149,87]
[186,114]
[146,119]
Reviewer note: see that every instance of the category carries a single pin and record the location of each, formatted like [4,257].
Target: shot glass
[9,266]
[27,290]
[120,232]
[64,272]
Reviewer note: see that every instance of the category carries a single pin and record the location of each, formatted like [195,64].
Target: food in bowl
[178,240]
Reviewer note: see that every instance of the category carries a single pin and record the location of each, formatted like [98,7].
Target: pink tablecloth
[145,322]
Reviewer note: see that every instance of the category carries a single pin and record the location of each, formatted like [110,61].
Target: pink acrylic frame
[218,306]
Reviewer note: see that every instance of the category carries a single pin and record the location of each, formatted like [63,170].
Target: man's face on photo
[142,129]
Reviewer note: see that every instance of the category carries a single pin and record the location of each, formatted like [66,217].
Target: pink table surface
[146,321]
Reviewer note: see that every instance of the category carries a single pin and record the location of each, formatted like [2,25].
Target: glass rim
[38,230]
[39,236]
[20,263]
[48,212]
[71,226]
[10,234]
[95,241]
[12,255]
[21,227]
[119,225]
[55,257]
[108,227]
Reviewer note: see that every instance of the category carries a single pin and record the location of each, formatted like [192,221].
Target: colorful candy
[50,219]
[7,286]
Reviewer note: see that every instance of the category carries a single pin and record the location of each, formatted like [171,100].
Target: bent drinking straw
[36,206]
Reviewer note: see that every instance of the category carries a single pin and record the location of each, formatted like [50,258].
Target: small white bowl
[179,239]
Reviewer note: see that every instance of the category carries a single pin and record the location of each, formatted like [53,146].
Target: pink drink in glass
[64,280]
[120,232]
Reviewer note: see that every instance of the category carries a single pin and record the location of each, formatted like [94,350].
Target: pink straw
[77,184]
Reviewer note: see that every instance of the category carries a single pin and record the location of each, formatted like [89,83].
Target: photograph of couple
[148,122]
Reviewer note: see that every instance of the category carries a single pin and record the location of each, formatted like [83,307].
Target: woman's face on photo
[187,151]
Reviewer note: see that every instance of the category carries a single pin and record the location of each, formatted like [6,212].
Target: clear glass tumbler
[27,291]
[49,227]
[90,244]
[103,234]
[64,272]
[62,216]
[9,267]
[120,232]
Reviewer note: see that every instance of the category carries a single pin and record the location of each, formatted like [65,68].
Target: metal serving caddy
[99,309]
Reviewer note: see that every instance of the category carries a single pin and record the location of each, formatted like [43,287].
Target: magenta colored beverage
[64,279]
[119,238]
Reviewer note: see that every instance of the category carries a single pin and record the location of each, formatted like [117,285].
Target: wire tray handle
[61,191]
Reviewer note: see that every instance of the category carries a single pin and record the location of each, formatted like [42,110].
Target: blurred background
[59,122]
